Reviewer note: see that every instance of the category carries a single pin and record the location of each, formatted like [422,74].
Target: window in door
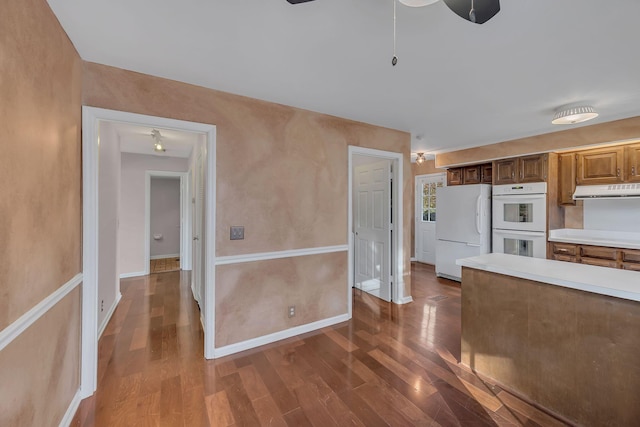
[429,190]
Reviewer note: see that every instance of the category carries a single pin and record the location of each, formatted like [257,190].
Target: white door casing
[397,247]
[425,226]
[91,117]
[372,228]
[198,211]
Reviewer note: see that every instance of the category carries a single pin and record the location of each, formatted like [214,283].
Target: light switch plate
[237,232]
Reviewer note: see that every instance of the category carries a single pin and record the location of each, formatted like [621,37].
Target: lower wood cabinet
[602,256]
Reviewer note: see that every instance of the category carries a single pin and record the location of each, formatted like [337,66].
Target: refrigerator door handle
[478,213]
[475,245]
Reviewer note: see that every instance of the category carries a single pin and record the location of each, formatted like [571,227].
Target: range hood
[607,191]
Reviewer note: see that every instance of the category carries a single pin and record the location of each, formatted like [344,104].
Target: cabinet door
[632,157]
[630,255]
[472,175]
[566,178]
[600,166]
[630,266]
[533,168]
[565,258]
[487,173]
[454,176]
[505,171]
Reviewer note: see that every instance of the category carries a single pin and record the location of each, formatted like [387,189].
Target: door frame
[397,241]
[185,217]
[415,205]
[91,118]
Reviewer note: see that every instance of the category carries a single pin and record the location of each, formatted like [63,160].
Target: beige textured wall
[601,133]
[281,171]
[39,370]
[252,298]
[40,211]
[40,162]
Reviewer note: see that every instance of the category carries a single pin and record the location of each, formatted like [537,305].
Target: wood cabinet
[454,176]
[487,173]
[602,256]
[472,175]
[520,169]
[566,178]
[475,174]
[600,166]
[632,163]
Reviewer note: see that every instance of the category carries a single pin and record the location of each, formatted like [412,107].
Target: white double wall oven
[520,219]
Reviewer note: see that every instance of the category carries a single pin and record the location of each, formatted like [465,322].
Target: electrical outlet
[101,306]
[292,310]
[237,232]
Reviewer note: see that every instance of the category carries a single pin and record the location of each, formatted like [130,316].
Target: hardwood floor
[389,366]
[163,265]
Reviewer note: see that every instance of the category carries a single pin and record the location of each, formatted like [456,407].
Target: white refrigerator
[463,226]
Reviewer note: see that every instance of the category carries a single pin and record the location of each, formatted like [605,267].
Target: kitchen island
[564,336]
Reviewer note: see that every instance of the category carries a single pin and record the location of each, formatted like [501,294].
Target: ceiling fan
[476,11]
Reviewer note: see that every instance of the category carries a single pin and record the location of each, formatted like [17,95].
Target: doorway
[168,218]
[380,249]
[92,119]
[426,187]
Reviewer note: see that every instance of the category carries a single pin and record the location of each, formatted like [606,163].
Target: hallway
[390,365]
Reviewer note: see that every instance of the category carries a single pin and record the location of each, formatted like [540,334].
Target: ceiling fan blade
[483,10]
[298,1]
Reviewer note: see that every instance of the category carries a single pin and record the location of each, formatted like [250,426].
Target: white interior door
[198,234]
[372,228]
[425,225]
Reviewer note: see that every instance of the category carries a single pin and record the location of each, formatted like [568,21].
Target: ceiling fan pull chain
[472,13]
[394,60]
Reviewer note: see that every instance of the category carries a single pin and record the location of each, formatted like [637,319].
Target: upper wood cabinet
[632,164]
[520,169]
[600,166]
[454,176]
[476,174]
[472,175]
[487,173]
[566,178]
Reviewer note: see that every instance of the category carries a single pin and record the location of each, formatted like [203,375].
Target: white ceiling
[137,139]
[457,84]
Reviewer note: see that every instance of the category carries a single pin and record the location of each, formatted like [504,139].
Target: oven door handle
[478,214]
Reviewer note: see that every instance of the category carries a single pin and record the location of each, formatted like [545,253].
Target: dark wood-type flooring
[389,366]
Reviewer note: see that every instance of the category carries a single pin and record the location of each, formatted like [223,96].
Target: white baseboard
[165,256]
[405,300]
[12,331]
[106,319]
[413,259]
[71,410]
[277,336]
[133,274]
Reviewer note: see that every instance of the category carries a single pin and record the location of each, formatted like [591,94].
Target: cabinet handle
[618,172]
[633,170]
[562,250]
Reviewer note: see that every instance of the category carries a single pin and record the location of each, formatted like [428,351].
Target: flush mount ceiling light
[572,115]
[420,159]
[157,141]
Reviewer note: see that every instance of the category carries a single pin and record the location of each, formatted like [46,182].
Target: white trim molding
[11,332]
[71,410]
[132,274]
[106,319]
[405,300]
[413,259]
[280,335]
[264,256]
[398,271]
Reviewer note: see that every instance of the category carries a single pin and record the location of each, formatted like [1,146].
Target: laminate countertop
[589,278]
[613,239]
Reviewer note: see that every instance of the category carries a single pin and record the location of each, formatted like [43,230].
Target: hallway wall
[164,217]
[40,215]
[281,173]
